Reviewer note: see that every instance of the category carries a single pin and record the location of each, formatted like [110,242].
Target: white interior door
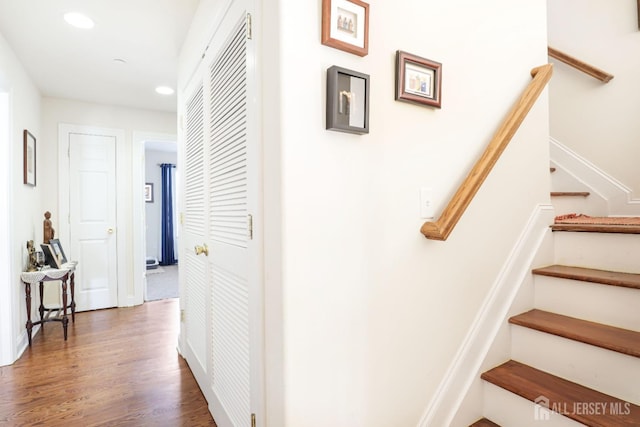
[220,185]
[92,219]
[195,297]
[228,192]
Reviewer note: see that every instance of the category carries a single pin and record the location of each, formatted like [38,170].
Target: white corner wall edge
[618,196]
[468,361]
[8,295]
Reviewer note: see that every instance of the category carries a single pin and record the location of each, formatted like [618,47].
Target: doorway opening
[161,220]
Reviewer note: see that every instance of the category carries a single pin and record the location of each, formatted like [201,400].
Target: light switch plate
[426,203]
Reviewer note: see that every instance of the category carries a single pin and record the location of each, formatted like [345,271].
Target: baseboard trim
[23,341]
[216,407]
[467,363]
[618,196]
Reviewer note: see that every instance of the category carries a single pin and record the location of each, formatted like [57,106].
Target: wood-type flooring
[119,367]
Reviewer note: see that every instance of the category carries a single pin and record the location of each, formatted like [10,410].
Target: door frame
[125,299]
[256,207]
[139,232]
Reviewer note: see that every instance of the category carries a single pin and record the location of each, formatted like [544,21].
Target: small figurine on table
[48,231]
[33,263]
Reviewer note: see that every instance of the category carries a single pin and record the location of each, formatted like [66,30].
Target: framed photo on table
[418,80]
[345,25]
[50,256]
[57,249]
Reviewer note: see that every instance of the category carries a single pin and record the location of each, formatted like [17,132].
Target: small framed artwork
[347,101]
[345,25]
[29,158]
[418,80]
[50,257]
[148,192]
[57,250]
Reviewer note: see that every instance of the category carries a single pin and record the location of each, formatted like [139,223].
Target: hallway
[119,367]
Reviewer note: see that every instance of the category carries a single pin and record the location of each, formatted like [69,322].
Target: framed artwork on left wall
[29,158]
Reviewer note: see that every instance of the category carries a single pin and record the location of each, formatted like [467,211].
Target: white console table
[63,274]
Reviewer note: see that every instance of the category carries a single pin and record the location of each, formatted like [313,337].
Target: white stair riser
[563,181]
[603,370]
[610,305]
[590,205]
[510,410]
[604,251]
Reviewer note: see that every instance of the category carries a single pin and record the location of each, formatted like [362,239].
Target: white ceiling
[66,62]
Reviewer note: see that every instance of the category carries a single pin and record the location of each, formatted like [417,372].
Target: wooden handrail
[594,72]
[440,229]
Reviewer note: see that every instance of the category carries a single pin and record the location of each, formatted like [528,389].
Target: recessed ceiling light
[164,90]
[79,20]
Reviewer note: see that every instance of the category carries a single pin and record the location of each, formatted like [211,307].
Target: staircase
[575,357]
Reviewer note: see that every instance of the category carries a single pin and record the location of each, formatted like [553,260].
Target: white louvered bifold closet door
[227,171]
[195,212]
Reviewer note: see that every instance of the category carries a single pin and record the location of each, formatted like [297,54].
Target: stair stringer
[458,400]
[618,197]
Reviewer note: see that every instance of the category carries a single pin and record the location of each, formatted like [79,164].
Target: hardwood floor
[119,367]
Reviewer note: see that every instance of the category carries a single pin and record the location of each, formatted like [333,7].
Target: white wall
[153,211]
[24,207]
[56,111]
[598,121]
[363,314]
[374,313]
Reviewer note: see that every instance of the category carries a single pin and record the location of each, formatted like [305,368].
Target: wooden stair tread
[613,278]
[570,193]
[484,423]
[608,337]
[597,228]
[563,395]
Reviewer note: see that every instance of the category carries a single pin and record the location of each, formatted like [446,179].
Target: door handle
[204,249]
[110,230]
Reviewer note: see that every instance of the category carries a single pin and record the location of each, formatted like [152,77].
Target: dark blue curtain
[168,254]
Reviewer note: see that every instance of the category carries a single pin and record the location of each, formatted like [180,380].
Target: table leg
[41,308]
[65,320]
[29,324]
[73,298]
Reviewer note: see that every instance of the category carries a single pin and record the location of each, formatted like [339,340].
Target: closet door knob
[202,250]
